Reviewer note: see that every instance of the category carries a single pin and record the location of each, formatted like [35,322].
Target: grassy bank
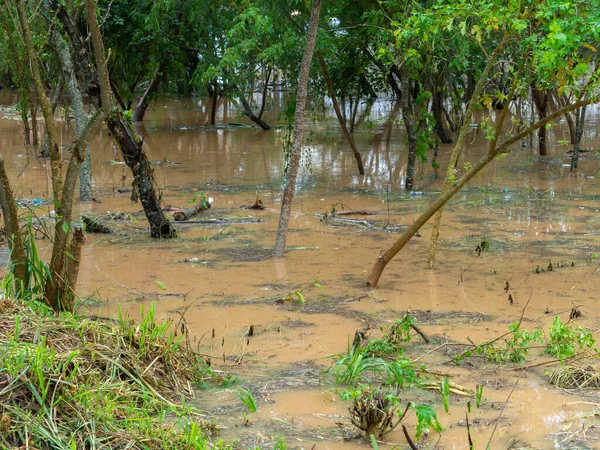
[69,382]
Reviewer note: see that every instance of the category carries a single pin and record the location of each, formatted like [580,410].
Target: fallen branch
[93,226]
[358,212]
[224,221]
[187,213]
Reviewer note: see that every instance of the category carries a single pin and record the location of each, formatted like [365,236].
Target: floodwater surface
[218,280]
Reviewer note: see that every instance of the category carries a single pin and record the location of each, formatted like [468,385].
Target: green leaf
[161,285]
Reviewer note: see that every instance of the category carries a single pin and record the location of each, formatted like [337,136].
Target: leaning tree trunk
[253,117]
[386,256]
[129,143]
[338,113]
[294,163]
[140,109]
[143,181]
[540,98]
[579,123]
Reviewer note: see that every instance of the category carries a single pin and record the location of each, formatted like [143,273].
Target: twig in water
[408,439]
[503,407]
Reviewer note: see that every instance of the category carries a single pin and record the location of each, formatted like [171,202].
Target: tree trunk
[25,121]
[13,231]
[81,120]
[341,120]
[290,185]
[562,100]
[33,113]
[263,101]
[140,109]
[71,270]
[411,131]
[215,96]
[253,117]
[579,123]
[128,141]
[143,181]
[436,109]
[386,256]
[540,98]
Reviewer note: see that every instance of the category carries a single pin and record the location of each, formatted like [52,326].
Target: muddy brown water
[220,279]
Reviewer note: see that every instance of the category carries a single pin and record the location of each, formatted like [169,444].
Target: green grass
[68,382]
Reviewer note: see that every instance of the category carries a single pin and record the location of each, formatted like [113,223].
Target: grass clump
[72,382]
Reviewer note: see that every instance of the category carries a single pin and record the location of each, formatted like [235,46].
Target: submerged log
[188,213]
[94,226]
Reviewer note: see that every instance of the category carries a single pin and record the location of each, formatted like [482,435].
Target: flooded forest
[311,225]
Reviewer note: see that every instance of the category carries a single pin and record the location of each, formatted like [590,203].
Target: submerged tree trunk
[253,117]
[540,98]
[140,109]
[341,120]
[579,123]
[290,185]
[128,141]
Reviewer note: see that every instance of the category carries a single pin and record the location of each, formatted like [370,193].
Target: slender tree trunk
[290,185]
[81,120]
[253,117]
[562,100]
[25,121]
[411,131]
[140,109]
[579,124]
[263,101]
[341,120]
[55,157]
[540,98]
[33,113]
[215,97]
[386,256]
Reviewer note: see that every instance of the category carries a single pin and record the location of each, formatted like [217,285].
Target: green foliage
[445,391]
[516,346]
[356,367]
[427,420]
[565,341]
[247,399]
[478,395]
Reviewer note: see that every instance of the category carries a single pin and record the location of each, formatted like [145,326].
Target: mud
[221,279]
